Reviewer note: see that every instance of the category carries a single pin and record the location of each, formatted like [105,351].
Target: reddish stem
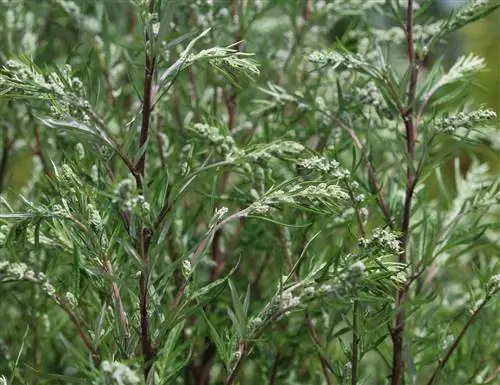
[307,10]
[7,145]
[397,332]
[39,153]
[96,356]
[148,350]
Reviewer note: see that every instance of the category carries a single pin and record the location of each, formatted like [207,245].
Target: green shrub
[214,192]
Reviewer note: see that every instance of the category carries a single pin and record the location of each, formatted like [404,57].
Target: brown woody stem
[398,329]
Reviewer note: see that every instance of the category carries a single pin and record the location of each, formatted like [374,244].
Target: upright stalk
[145,233]
[355,344]
[146,106]
[7,145]
[411,139]
[38,151]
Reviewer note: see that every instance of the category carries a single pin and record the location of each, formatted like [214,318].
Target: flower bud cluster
[344,7]
[279,149]
[493,286]
[383,239]
[126,196]
[186,268]
[466,14]
[119,374]
[319,164]
[288,301]
[465,120]
[224,144]
[298,193]
[63,92]
[323,58]
[219,214]
[95,218]
[19,271]
[370,95]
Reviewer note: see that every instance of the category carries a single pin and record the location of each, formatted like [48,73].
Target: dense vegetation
[221,192]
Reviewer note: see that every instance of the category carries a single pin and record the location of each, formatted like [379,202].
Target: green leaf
[246,301]
[99,326]
[224,353]
[85,132]
[302,256]
[240,329]
[166,17]
[167,352]
[208,288]
[239,315]
[175,368]
[16,362]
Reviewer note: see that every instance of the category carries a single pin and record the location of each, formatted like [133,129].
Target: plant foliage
[214,192]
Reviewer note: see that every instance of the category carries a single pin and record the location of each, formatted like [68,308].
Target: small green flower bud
[71,300]
[233,361]
[254,323]
[80,151]
[493,286]
[186,269]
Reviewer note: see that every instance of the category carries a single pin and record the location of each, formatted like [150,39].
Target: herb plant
[240,192]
